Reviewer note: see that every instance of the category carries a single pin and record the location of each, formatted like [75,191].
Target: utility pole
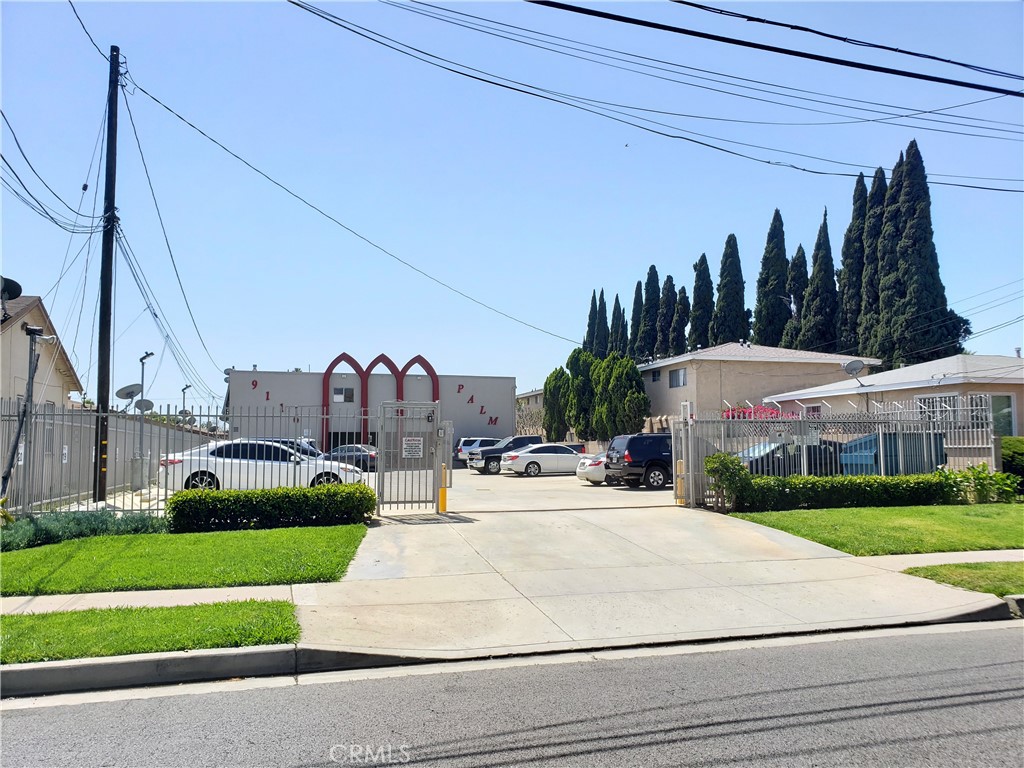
[106,282]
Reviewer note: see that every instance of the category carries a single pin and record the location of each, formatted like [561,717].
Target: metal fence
[54,466]
[903,438]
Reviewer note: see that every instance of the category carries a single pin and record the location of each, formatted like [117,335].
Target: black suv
[641,458]
[487,461]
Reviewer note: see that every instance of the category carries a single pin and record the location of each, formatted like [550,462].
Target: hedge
[1013,459]
[54,527]
[810,492]
[198,511]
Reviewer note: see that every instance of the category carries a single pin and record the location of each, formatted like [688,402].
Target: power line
[75,11]
[772,49]
[163,229]
[349,229]
[851,41]
[529,90]
[438,14]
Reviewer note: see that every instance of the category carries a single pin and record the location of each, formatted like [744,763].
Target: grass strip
[999,579]
[903,530]
[181,561]
[119,631]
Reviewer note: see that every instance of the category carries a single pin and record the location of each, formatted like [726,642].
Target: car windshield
[757,451]
[503,443]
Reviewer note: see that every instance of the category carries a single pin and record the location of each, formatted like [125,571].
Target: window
[677,378]
[813,411]
[942,408]
[232,451]
[1002,415]
[655,376]
[344,395]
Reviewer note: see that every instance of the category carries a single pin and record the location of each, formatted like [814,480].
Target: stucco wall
[50,385]
[712,383]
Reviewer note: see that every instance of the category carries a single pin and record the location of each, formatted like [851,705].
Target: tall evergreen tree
[647,336]
[623,334]
[730,321]
[818,329]
[796,287]
[556,395]
[703,306]
[852,271]
[666,314]
[868,320]
[588,340]
[601,329]
[891,286]
[771,309]
[615,343]
[635,318]
[580,403]
[677,334]
[923,327]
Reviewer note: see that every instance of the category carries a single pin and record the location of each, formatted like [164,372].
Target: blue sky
[523,204]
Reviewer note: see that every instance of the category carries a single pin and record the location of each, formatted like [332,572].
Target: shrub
[53,527]
[1013,460]
[200,511]
[730,480]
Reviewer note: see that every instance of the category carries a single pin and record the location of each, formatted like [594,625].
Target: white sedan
[246,464]
[591,469]
[543,458]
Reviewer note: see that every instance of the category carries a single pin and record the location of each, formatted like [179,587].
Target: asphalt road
[946,697]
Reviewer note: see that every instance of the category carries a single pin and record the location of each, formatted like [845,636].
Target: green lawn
[117,631]
[179,561]
[903,530]
[1000,579]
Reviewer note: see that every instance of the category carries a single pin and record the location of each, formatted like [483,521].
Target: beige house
[55,376]
[933,386]
[736,375]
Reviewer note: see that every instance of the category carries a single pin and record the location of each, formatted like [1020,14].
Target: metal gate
[410,454]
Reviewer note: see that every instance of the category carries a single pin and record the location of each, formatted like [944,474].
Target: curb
[172,668]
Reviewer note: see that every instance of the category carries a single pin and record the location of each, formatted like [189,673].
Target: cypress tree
[730,321]
[868,320]
[677,334]
[771,308]
[703,306]
[852,271]
[623,335]
[579,409]
[615,331]
[818,330]
[635,317]
[601,329]
[891,287]
[666,314]
[796,287]
[647,336]
[588,340]
[556,395]
[923,327]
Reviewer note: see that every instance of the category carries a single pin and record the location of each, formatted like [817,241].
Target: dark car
[785,459]
[644,458]
[487,461]
[362,456]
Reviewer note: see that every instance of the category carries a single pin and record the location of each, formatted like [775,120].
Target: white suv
[467,444]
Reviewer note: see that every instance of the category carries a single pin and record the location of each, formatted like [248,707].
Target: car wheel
[493,466]
[202,481]
[632,482]
[655,477]
[325,479]
[533,469]
[612,481]
[594,482]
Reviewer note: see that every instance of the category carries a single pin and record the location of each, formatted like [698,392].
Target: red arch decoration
[364,389]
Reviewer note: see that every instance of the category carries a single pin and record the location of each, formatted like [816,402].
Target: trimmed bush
[202,511]
[53,527]
[1013,460]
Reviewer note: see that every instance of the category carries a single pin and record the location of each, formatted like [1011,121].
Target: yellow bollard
[680,485]
[442,492]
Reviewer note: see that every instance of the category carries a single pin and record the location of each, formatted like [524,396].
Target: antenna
[129,392]
[854,367]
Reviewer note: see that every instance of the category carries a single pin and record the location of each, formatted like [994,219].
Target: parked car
[645,458]
[358,455]
[784,459]
[487,461]
[592,469]
[304,445]
[541,458]
[466,444]
[246,464]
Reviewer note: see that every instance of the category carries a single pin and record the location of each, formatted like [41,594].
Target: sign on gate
[412,447]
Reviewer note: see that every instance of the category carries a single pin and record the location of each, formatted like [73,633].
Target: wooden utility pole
[106,282]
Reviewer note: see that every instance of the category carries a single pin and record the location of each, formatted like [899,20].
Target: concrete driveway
[501,582]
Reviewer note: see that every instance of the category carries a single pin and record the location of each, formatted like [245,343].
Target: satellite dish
[11,289]
[144,405]
[190,420]
[854,367]
[184,412]
[129,392]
